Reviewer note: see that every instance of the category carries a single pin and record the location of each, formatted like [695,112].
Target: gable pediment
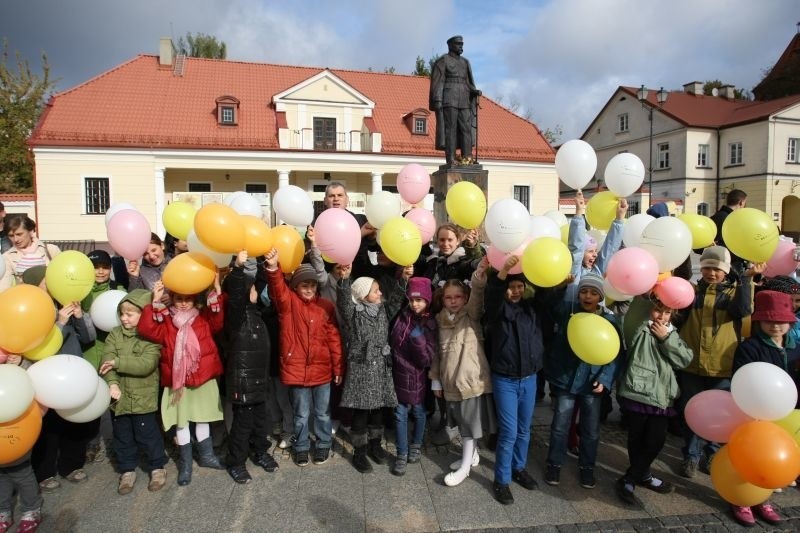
[324,88]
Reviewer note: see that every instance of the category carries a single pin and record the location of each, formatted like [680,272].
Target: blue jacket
[576,243]
[759,347]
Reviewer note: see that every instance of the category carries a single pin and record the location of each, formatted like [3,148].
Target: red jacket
[165,333]
[310,346]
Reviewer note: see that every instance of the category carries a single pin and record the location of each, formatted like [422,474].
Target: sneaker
[265,461]
[455,478]
[77,476]
[502,493]
[50,484]
[552,474]
[688,468]
[126,482]
[476,459]
[30,522]
[335,426]
[321,455]
[158,478]
[705,464]
[400,465]
[301,458]
[743,515]
[767,513]
[5,522]
[574,451]
[525,479]
[240,474]
[287,441]
[414,453]
[587,478]
[625,491]
[657,485]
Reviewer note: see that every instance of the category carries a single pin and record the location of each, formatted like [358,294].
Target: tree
[553,135]
[202,45]
[738,94]
[22,97]
[423,69]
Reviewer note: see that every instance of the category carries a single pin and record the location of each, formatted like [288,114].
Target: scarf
[370,308]
[186,358]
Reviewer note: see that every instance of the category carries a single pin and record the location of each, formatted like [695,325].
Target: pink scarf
[186,358]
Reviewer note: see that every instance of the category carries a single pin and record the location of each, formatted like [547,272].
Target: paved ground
[334,497]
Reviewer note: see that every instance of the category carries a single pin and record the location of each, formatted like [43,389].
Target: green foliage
[738,94]
[22,97]
[424,69]
[202,45]
[553,135]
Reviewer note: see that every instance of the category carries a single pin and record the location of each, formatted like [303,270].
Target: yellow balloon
[546,262]
[751,234]
[257,236]
[70,277]
[290,247]
[189,273]
[703,229]
[466,204]
[601,210]
[731,486]
[791,423]
[27,317]
[400,240]
[565,233]
[49,346]
[179,219]
[593,338]
[220,228]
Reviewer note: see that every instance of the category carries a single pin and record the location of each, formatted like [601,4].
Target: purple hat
[419,288]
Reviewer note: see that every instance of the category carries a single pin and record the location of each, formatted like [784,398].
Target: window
[633,208]
[735,153]
[791,151]
[702,155]
[227,115]
[227,111]
[420,126]
[522,193]
[96,193]
[702,209]
[198,186]
[255,188]
[325,134]
[663,155]
[622,122]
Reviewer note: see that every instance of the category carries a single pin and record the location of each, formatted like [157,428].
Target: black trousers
[61,447]
[249,429]
[135,433]
[364,419]
[646,437]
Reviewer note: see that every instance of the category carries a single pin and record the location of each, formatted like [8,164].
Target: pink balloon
[337,235]
[674,292]
[497,258]
[413,183]
[781,263]
[632,271]
[713,415]
[129,233]
[424,220]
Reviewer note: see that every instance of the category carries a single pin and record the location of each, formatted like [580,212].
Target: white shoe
[334,426]
[476,459]
[287,441]
[455,478]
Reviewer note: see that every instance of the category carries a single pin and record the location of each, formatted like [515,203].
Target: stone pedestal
[446,177]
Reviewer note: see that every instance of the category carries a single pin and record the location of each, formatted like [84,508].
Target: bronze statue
[454,98]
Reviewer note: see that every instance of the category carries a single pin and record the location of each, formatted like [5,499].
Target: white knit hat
[361,287]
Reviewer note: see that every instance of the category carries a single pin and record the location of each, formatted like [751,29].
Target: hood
[138,297]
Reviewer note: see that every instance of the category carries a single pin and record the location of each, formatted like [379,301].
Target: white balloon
[764,391]
[104,310]
[668,240]
[63,381]
[634,226]
[16,392]
[544,226]
[576,163]
[193,243]
[93,409]
[246,204]
[116,208]
[612,292]
[293,205]
[232,197]
[624,174]
[508,224]
[558,217]
[382,206]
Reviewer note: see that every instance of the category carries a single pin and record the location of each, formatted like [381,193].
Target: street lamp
[661,97]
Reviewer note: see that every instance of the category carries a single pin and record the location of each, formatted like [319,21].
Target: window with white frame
[622,122]
[97,195]
[702,155]
[663,155]
[420,126]
[702,209]
[522,193]
[735,153]
[791,151]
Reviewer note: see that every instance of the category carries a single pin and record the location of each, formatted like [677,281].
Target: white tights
[201,432]
[467,449]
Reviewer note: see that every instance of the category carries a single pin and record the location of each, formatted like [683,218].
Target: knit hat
[99,257]
[34,275]
[773,306]
[589,244]
[419,288]
[785,284]
[304,272]
[658,210]
[716,257]
[361,287]
[593,281]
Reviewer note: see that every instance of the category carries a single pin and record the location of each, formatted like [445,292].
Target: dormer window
[227,111]
[417,121]
[420,125]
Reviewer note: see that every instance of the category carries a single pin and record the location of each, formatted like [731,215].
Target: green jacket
[93,351]
[135,365]
[649,376]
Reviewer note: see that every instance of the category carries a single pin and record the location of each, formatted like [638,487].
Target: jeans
[21,478]
[248,431]
[589,427]
[692,384]
[134,433]
[304,399]
[514,399]
[401,413]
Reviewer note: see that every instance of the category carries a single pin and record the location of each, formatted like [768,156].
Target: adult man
[453,97]
[5,242]
[736,199]
[336,197]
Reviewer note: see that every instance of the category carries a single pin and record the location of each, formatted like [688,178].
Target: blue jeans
[691,385]
[135,433]
[401,425]
[589,427]
[303,400]
[514,399]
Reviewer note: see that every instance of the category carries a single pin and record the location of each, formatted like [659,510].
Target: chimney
[727,91]
[166,52]
[693,87]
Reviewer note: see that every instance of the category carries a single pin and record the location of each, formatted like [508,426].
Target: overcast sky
[559,59]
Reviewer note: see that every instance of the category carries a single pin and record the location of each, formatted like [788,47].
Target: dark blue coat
[413,342]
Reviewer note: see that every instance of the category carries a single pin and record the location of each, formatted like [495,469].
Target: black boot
[360,460]
[206,456]
[184,464]
[376,451]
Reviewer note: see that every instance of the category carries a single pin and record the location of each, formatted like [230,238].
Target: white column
[283,178]
[159,193]
[377,182]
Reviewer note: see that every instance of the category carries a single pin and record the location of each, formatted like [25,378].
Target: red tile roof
[139,104]
[11,197]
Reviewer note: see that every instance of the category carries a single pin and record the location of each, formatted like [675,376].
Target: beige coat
[12,256]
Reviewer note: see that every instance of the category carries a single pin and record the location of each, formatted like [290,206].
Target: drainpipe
[719,158]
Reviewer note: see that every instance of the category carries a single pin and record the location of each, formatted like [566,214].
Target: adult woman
[27,250]
[154,262]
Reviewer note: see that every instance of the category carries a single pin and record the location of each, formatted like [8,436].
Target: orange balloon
[27,315]
[189,273]
[257,236]
[290,248]
[730,485]
[18,436]
[220,228]
[764,454]
[663,275]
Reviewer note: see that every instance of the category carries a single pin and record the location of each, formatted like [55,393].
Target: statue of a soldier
[454,99]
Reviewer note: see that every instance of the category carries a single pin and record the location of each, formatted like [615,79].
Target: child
[247,360]
[413,342]
[189,365]
[788,285]
[368,386]
[456,258]
[154,262]
[460,371]
[130,367]
[310,352]
[773,318]
[646,393]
